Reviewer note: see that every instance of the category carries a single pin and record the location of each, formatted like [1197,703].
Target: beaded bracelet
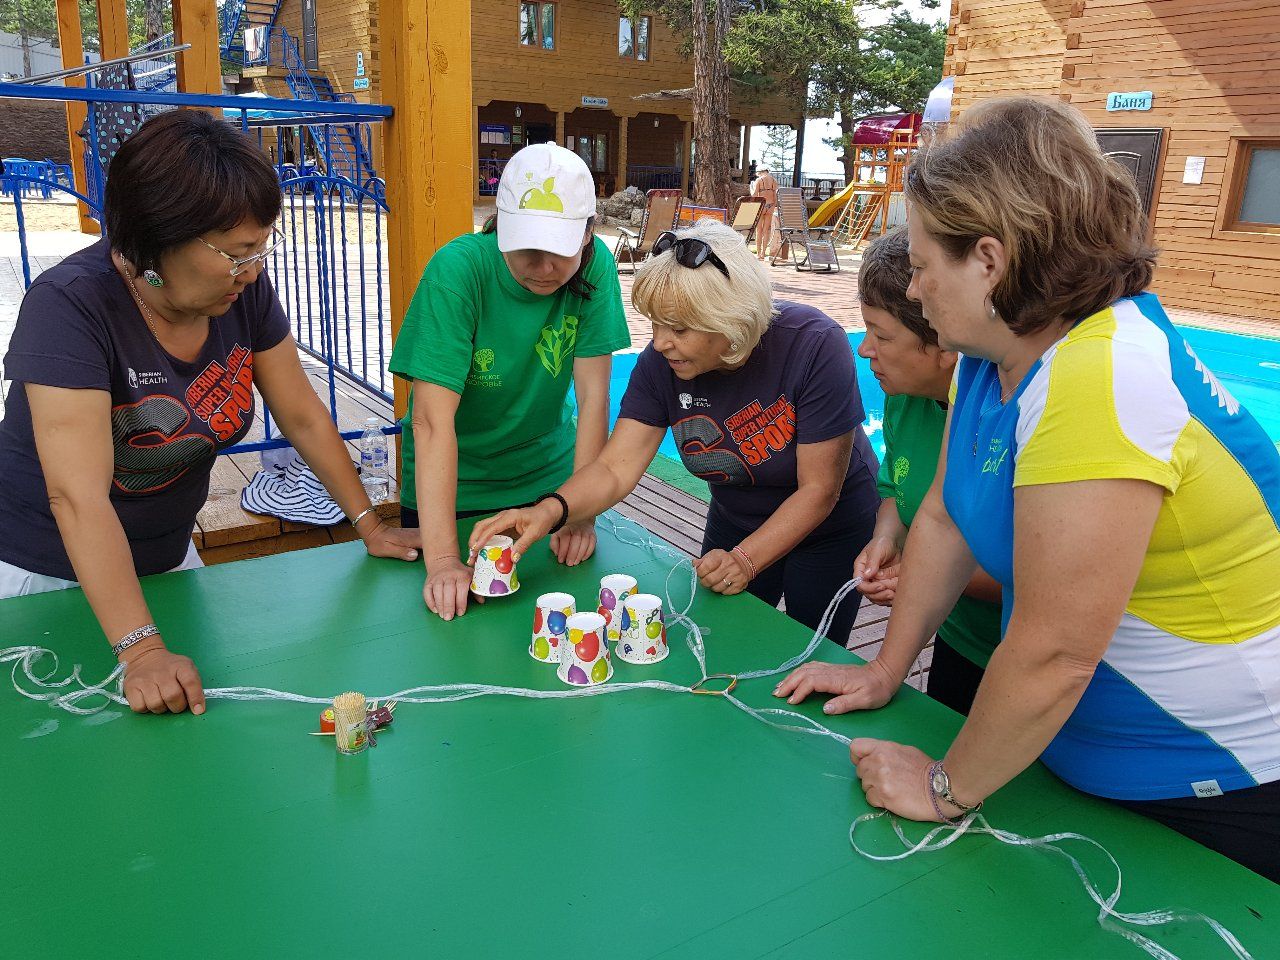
[137,636]
[743,554]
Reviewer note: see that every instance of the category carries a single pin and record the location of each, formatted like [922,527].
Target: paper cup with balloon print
[584,655]
[614,588]
[644,631]
[495,571]
[551,626]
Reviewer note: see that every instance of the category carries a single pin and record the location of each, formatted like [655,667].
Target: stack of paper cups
[550,626]
[495,570]
[614,588]
[644,632]
[584,655]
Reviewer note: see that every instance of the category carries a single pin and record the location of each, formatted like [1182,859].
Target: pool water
[1248,366]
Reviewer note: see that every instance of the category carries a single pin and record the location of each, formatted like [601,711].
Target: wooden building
[1182,91]
[564,70]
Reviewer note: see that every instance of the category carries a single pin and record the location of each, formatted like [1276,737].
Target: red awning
[873,130]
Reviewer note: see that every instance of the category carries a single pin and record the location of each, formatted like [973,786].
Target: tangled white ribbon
[68,693]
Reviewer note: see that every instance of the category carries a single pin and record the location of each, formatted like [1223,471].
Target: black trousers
[1243,825]
[953,678]
[809,575]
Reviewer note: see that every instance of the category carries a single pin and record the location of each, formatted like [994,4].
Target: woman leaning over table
[1127,503]
[763,402]
[916,374]
[502,324]
[134,363]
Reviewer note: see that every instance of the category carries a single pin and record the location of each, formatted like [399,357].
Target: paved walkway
[836,294]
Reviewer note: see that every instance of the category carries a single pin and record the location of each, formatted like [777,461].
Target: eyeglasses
[689,251]
[240,266]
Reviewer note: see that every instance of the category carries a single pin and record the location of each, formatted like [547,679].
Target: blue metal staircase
[344,148]
[237,16]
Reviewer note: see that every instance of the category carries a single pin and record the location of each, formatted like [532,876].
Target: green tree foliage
[34,20]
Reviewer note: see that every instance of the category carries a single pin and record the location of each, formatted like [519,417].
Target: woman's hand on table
[384,540]
[722,572]
[878,565]
[448,588]
[574,543]
[854,687]
[526,525]
[895,777]
[156,680]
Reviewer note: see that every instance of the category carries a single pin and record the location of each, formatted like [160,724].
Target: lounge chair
[815,242]
[746,217]
[661,208]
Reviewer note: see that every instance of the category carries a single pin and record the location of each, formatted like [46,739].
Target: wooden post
[621,182]
[113,28]
[560,128]
[200,68]
[746,151]
[425,62]
[71,42]
[686,158]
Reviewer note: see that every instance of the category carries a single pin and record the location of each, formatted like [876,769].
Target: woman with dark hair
[502,324]
[1126,502]
[137,359]
[915,374]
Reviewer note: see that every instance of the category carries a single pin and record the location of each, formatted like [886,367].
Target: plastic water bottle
[373,462]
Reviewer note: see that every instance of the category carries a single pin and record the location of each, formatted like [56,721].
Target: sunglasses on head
[689,251]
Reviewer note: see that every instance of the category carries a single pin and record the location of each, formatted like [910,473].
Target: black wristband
[564,510]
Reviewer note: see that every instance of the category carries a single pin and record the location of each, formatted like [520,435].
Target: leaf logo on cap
[544,199]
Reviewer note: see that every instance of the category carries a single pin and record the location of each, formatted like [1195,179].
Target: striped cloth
[290,490]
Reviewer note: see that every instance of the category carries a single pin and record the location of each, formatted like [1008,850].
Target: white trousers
[16,582]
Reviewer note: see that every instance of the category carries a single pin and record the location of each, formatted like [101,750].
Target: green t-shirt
[912,440]
[508,353]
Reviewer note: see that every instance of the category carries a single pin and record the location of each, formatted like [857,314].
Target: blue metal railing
[330,271]
[652,178]
[156,73]
[490,173]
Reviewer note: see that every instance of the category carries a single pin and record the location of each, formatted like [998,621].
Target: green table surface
[634,825]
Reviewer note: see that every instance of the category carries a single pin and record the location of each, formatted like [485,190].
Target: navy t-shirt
[738,429]
[79,327]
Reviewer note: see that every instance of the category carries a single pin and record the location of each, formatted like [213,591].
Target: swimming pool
[1248,366]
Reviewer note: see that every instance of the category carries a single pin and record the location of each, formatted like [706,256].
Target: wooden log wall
[1213,73]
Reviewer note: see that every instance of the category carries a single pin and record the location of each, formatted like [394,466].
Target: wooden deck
[225,531]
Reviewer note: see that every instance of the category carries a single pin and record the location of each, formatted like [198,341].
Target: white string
[976,823]
[66,694]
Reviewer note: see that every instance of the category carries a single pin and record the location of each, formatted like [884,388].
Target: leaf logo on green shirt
[901,467]
[556,344]
[482,360]
[544,199]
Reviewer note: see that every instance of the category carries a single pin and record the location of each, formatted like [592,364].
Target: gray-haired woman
[763,401]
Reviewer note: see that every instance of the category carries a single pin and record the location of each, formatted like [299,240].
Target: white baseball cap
[545,197]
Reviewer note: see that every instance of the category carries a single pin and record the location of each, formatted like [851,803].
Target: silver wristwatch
[940,784]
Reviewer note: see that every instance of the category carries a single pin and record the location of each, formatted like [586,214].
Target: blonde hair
[701,299]
[1028,171]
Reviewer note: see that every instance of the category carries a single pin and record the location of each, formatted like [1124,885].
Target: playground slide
[831,208]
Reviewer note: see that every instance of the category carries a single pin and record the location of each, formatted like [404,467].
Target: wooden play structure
[876,188]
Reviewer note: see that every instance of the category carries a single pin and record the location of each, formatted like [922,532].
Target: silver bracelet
[150,630]
[361,515]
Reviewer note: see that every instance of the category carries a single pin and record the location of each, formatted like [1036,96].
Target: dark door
[1138,151]
[539,133]
[310,44]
